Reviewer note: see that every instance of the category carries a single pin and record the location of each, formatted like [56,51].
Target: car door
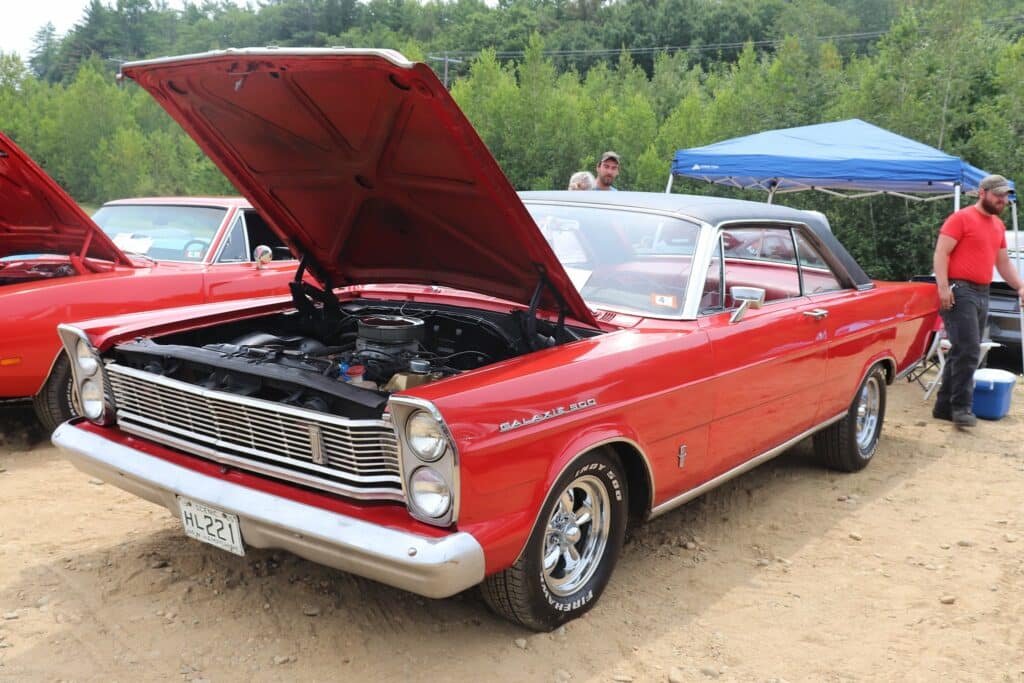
[842,317]
[234,274]
[768,367]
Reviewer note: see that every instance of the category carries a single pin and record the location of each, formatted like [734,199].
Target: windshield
[619,259]
[160,231]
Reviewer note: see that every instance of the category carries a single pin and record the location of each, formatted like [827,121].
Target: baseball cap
[614,156]
[996,184]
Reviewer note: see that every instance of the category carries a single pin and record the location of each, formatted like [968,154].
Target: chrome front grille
[356,458]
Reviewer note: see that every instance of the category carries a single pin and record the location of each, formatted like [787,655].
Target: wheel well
[890,370]
[638,479]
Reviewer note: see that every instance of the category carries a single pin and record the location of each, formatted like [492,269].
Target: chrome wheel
[868,408]
[576,535]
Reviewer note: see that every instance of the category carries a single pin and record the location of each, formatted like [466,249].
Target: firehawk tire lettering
[571,553]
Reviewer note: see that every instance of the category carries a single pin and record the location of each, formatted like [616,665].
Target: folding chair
[936,358]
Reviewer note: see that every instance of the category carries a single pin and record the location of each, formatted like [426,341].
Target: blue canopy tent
[848,159]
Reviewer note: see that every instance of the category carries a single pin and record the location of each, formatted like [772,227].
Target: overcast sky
[20,19]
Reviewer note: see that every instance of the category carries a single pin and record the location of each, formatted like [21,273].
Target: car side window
[815,271]
[235,250]
[258,232]
[763,257]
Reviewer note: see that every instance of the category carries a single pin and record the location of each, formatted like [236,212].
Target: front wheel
[55,402]
[571,553]
[849,445]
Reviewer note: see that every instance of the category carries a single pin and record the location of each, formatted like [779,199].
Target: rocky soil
[911,570]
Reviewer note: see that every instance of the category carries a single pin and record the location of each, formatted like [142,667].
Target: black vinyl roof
[712,210]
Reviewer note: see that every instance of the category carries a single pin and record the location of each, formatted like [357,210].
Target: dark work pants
[965,323]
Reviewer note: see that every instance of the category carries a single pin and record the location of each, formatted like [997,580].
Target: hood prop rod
[304,295]
[534,339]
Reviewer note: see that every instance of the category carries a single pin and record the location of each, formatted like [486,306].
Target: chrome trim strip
[296,470]
[908,369]
[700,262]
[69,337]
[432,567]
[687,496]
[392,56]
[133,422]
[262,469]
[257,403]
[236,217]
[406,406]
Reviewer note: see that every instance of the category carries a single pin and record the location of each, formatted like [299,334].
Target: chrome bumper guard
[432,567]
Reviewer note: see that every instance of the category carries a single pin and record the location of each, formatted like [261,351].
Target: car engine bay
[346,362]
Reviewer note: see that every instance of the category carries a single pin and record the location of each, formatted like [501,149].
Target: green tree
[91,109]
[999,125]
[45,50]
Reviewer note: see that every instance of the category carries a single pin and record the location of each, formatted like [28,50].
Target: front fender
[503,520]
[519,424]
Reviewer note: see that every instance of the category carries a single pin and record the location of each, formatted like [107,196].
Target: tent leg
[956,197]
[668,188]
[1017,258]
[771,194]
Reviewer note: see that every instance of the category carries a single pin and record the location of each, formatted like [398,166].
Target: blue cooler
[993,390]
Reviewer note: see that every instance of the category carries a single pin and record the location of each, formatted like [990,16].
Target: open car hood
[38,217]
[362,161]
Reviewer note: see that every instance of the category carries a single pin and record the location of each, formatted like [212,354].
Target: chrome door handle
[817,313]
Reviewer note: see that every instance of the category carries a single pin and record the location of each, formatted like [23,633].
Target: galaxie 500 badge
[548,414]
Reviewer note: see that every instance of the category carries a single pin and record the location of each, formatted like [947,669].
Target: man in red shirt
[972,241]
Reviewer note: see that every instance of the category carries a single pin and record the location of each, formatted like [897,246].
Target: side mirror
[749,297]
[262,255]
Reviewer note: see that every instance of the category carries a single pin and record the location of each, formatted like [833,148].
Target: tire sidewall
[55,402]
[866,454]
[554,609]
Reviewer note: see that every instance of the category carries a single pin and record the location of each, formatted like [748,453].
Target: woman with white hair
[582,180]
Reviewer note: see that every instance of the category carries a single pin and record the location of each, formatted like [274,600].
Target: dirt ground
[911,570]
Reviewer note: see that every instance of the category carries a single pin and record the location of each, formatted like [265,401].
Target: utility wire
[706,47]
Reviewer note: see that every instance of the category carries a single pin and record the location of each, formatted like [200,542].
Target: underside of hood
[38,217]
[362,161]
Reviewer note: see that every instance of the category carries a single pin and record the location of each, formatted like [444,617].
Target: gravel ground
[910,570]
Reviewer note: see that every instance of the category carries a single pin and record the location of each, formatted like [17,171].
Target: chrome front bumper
[432,567]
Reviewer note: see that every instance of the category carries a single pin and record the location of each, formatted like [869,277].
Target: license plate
[211,525]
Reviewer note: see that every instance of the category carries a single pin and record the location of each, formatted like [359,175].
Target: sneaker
[964,419]
[942,413]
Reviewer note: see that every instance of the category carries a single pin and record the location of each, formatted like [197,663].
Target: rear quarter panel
[890,322]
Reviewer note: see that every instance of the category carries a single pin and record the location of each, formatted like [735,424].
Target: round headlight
[85,358]
[91,398]
[425,436]
[429,492]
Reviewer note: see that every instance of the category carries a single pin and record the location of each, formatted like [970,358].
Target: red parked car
[485,387]
[57,264]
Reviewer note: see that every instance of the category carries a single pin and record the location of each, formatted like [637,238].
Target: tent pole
[771,194]
[668,188]
[956,197]
[1017,258]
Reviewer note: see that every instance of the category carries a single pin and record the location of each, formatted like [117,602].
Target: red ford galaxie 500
[57,264]
[485,387]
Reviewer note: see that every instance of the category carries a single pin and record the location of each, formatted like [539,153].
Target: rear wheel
[571,553]
[849,445]
[55,401]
